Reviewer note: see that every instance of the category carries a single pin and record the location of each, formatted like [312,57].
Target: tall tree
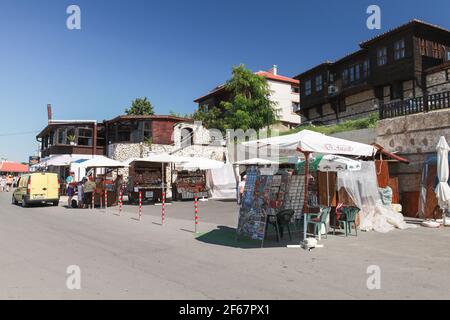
[249,106]
[139,107]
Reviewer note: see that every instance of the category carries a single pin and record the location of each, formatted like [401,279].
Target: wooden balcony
[68,149]
[426,103]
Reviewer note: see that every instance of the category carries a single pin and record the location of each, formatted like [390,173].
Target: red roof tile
[271,76]
[7,166]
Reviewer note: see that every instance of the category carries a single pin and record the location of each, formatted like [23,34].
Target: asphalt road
[122,258]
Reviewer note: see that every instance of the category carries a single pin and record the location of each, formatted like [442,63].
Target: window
[331,78]
[147,131]
[70,134]
[187,137]
[61,136]
[366,69]
[435,50]
[423,47]
[124,132]
[85,136]
[399,49]
[351,71]
[345,76]
[295,89]
[382,56]
[295,106]
[319,84]
[357,72]
[307,87]
[448,55]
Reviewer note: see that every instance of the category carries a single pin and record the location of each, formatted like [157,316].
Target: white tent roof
[443,190]
[256,161]
[160,157]
[102,162]
[335,163]
[202,164]
[311,141]
[64,159]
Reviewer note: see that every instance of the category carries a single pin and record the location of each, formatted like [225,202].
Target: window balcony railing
[426,103]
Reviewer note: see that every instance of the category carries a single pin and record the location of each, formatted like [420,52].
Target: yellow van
[38,187]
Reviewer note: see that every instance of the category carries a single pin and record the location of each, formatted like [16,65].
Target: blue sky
[169,51]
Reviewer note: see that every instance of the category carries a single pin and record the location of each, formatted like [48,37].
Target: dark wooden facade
[409,50]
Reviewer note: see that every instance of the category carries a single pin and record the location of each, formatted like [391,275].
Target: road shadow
[226,236]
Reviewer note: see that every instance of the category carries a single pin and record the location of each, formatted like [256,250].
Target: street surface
[123,258]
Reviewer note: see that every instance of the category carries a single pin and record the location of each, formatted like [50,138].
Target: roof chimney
[49,112]
[274,69]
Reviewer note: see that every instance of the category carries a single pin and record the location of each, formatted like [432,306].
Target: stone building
[381,76]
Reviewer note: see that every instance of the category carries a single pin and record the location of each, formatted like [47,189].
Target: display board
[255,204]
[295,194]
[190,184]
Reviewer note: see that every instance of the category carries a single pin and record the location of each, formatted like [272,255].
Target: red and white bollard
[93,200]
[120,201]
[106,199]
[163,208]
[140,205]
[196,212]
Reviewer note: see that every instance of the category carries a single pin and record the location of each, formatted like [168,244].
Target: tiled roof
[6,166]
[265,74]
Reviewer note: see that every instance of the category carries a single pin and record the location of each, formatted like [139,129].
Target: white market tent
[198,163]
[314,142]
[102,162]
[308,142]
[442,189]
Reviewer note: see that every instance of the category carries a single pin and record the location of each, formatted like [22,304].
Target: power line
[18,133]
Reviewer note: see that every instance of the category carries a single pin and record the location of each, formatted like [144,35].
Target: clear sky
[169,51]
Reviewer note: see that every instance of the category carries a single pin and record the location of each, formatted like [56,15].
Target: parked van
[38,187]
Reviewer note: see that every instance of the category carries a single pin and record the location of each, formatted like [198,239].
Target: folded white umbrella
[443,189]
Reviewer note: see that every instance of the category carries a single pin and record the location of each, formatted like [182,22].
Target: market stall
[107,180]
[295,189]
[191,177]
[147,176]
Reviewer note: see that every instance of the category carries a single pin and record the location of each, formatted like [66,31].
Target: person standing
[9,182]
[70,188]
[2,183]
[241,188]
[80,193]
[89,188]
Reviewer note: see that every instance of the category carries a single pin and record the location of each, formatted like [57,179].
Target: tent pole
[305,203]
[328,192]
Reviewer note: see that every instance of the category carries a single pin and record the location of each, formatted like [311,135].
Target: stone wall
[438,81]
[414,137]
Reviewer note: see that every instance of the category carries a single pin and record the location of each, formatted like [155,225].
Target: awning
[198,163]
[310,141]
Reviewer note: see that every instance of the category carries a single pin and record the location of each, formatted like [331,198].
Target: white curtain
[362,187]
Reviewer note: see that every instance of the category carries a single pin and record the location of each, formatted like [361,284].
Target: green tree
[139,107]
[249,105]
[180,115]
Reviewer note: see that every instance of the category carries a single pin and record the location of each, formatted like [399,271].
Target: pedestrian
[9,182]
[80,193]
[70,188]
[89,188]
[241,189]
[2,183]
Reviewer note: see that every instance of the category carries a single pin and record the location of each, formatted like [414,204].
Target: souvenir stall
[294,188]
[107,183]
[190,180]
[148,176]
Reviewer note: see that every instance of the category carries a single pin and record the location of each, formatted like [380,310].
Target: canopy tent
[102,162]
[328,163]
[310,141]
[255,161]
[202,164]
[64,159]
[159,158]
[222,182]
[443,189]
